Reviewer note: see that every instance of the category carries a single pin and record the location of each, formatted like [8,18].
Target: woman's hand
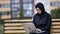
[39,30]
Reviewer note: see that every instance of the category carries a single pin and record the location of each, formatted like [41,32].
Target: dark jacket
[42,21]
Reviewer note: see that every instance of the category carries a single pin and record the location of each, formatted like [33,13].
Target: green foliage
[1,20]
[55,13]
[21,15]
[0,17]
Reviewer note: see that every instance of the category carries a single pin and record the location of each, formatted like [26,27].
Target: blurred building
[55,4]
[11,9]
[5,9]
[16,9]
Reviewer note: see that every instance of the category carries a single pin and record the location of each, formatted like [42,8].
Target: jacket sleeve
[35,21]
[48,25]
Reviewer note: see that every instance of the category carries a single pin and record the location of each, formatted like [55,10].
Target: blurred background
[16,15]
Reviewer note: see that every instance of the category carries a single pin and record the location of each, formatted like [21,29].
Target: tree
[1,20]
[0,15]
[55,13]
[21,16]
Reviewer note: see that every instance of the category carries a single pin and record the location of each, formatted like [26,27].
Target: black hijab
[41,7]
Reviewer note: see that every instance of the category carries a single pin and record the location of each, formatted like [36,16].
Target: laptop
[32,29]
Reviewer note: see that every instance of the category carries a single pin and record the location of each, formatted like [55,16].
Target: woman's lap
[40,33]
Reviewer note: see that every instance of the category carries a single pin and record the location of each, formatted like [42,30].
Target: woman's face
[38,11]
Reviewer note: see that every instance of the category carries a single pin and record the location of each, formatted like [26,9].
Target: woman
[42,20]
